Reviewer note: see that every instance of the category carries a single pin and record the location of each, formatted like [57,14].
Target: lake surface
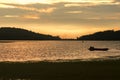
[57,50]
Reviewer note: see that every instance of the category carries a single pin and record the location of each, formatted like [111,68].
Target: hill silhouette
[8,33]
[104,35]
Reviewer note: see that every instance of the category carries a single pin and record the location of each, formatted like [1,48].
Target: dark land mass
[81,70]
[7,33]
[104,35]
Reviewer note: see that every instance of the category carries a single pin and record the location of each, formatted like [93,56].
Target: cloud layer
[78,14]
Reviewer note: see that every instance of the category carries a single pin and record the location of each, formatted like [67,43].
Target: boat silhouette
[97,49]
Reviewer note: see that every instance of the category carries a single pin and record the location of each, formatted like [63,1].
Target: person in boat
[91,48]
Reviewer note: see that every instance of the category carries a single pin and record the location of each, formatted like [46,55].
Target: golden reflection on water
[54,50]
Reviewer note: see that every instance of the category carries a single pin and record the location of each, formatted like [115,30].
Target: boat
[98,49]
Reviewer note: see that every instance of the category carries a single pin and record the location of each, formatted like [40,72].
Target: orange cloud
[74,12]
[43,10]
[31,16]
[47,10]
[78,4]
[92,3]
[24,7]
[11,16]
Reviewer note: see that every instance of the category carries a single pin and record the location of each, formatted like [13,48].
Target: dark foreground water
[56,50]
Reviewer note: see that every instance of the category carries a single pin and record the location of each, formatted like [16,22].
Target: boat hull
[99,49]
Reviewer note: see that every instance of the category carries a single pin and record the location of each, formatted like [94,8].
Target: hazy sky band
[52,1]
[66,18]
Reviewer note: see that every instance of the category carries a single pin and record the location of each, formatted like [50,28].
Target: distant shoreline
[8,33]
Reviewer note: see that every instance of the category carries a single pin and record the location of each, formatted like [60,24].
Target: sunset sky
[64,18]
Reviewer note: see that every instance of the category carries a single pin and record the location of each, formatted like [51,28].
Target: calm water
[56,50]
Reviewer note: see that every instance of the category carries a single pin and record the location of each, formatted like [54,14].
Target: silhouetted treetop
[104,35]
[8,33]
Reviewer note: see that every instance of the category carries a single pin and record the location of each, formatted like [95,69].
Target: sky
[64,18]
